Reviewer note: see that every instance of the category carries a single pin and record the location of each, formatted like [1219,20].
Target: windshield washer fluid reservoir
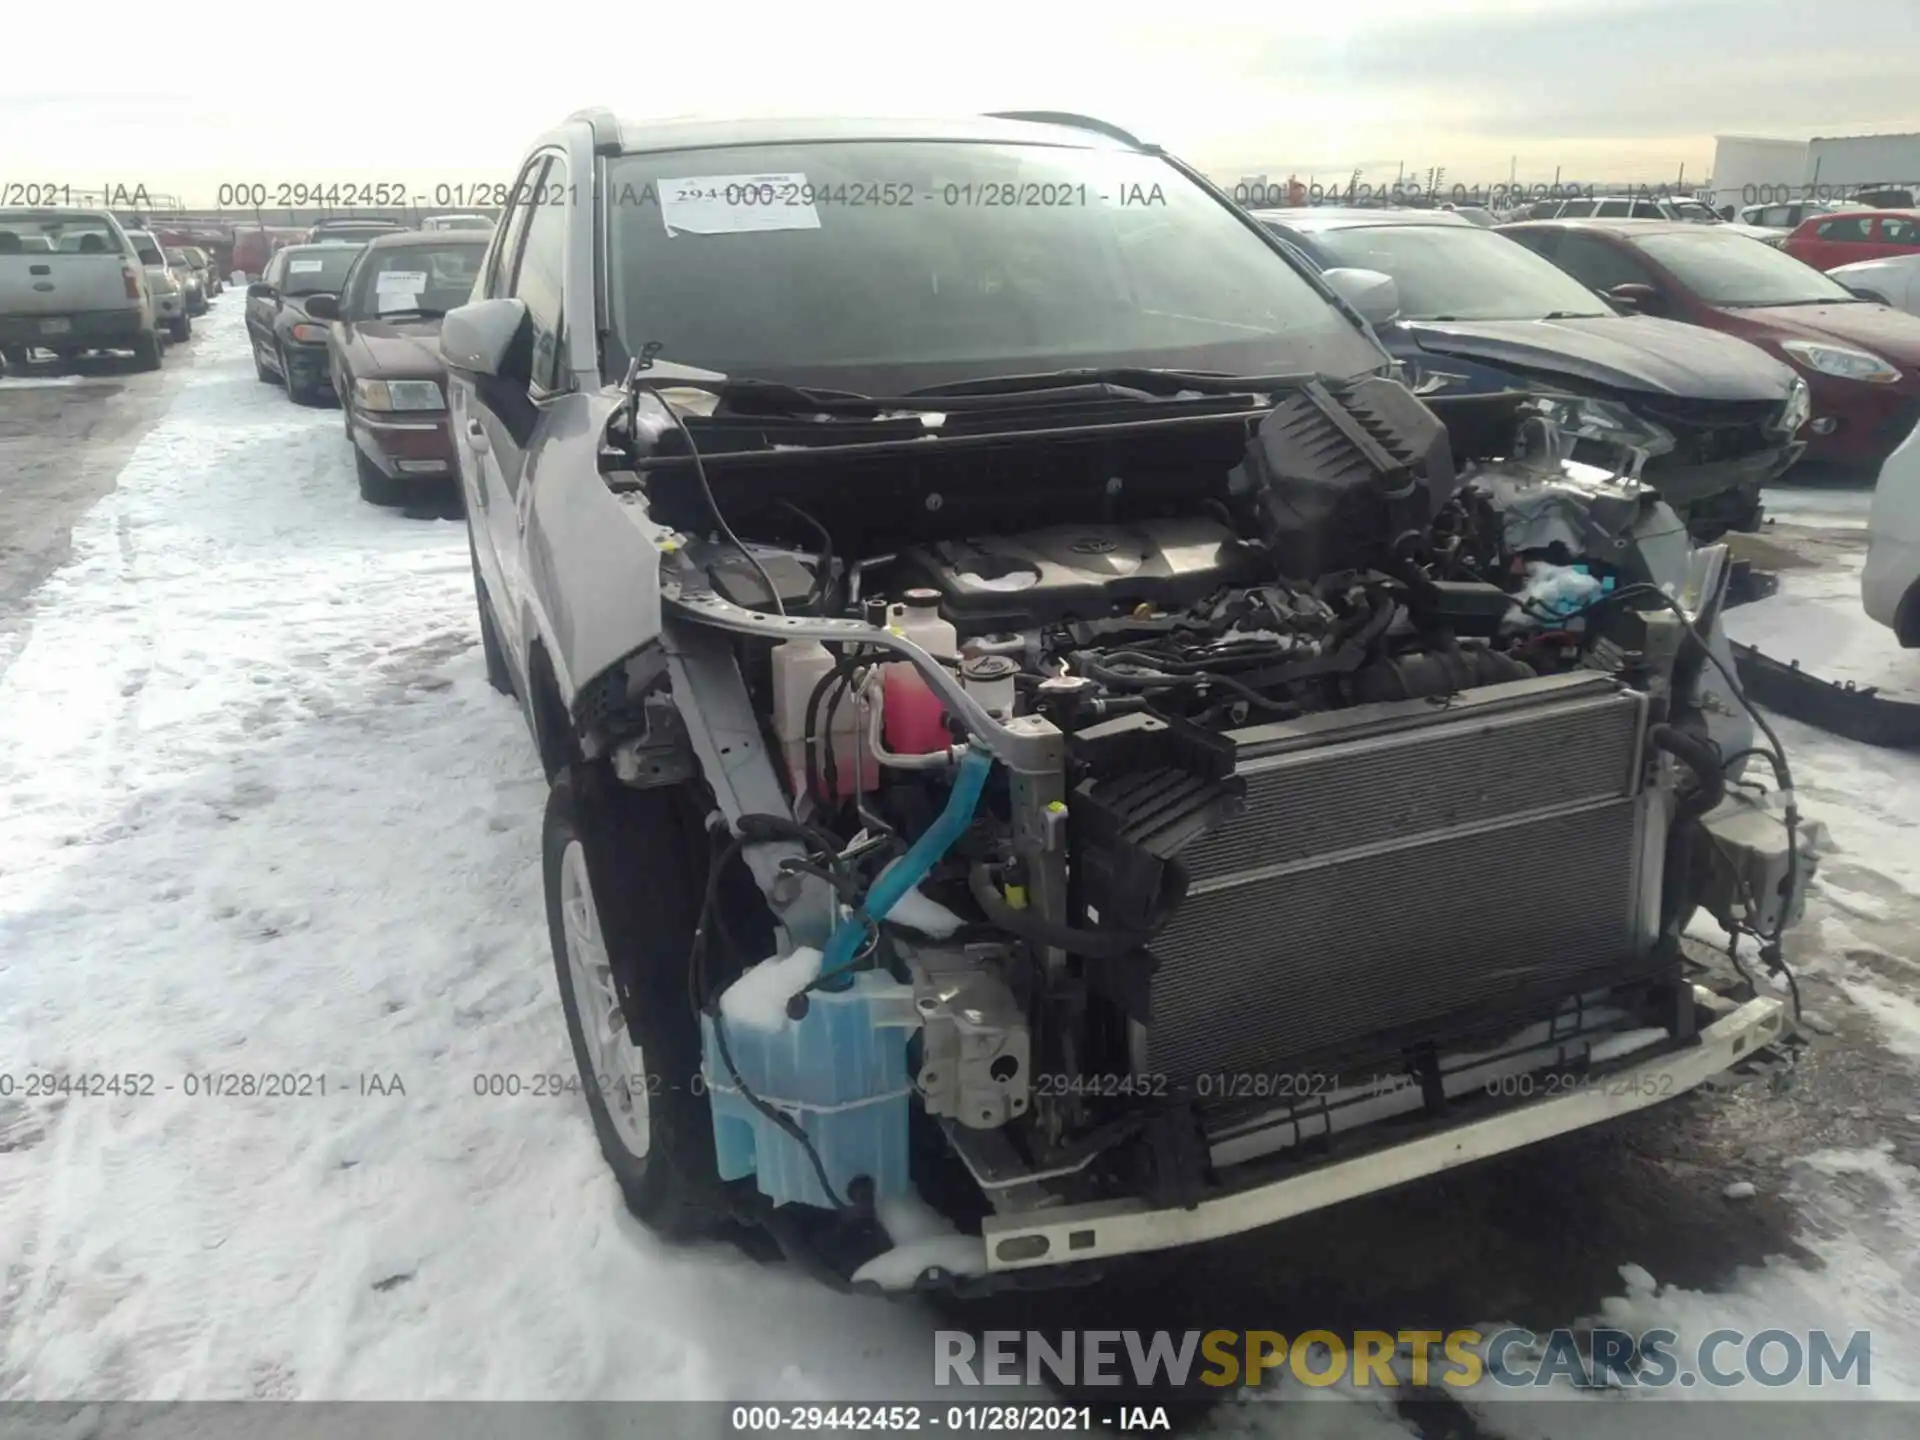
[840,1072]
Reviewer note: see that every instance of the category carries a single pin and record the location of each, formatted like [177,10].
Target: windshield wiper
[1576,314]
[1783,304]
[1150,380]
[424,311]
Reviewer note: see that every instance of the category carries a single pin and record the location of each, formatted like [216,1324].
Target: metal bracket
[713,703]
[661,754]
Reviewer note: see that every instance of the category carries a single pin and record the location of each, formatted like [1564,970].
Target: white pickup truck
[70,281]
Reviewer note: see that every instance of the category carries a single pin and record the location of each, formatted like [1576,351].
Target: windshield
[429,278]
[319,270]
[68,234]
[1724,269]
[179,257]
[147,250]
[888,266]
[1457,272]
[1697,211]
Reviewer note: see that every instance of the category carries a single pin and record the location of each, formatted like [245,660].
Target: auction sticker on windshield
[724,204]
[298,267]
[412,281]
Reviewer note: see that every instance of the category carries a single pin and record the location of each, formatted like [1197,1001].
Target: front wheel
[623,893]
[180,330]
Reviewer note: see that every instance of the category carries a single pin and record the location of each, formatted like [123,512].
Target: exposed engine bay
[1124,860]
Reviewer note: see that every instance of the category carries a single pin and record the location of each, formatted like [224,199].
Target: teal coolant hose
[911,868]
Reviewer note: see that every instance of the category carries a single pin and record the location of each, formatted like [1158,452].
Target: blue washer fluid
[840,1071]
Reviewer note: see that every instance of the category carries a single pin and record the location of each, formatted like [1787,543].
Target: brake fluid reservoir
[915,721]
[989,679]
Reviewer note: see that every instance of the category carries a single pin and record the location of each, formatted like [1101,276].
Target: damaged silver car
[1055,753]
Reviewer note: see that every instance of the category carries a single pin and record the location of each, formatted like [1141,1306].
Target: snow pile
[918,911]
[1863,1208]
[923,1239]
[758,999]
[263,817]
[1816,619]
[40,382]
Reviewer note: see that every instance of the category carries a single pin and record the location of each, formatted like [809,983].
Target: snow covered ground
[262,816]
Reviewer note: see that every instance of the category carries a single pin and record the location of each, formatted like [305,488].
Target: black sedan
[289,346]
[1466,311]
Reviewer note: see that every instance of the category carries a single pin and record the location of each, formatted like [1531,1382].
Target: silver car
[1038,754]
[169,293]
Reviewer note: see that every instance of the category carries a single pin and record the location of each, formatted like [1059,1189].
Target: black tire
[180,330]
[15,356]
[641,858]
[260,371]
[499,673]
[376,486]
[146,351]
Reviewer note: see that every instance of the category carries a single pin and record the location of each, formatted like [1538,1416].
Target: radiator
[1405,871]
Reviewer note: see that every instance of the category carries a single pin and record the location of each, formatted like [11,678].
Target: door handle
[477,437]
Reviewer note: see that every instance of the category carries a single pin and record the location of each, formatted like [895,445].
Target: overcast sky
[182,100]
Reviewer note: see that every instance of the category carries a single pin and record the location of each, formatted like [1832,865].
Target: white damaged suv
[1042,726]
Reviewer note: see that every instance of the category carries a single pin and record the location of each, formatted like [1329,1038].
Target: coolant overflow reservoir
[915,721]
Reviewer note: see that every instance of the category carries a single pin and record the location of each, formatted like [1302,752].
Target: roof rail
[605,127]
[1077,122]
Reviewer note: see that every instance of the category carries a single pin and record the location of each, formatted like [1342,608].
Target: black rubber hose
[1702,759]
[810,742]
[823,581]
[1094,944]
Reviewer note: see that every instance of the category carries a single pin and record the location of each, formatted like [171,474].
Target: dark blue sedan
[1704,417]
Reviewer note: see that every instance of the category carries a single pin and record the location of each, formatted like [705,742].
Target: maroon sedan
[1860,359]
[384,353]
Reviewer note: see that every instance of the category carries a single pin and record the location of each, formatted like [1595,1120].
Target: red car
[1829,240]
[1860,358]
[384,355]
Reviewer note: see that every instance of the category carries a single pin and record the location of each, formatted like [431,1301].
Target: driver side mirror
[323,307]
[1633,296]
[1372,292]
[480,338]
[1866,294]
[259,290]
